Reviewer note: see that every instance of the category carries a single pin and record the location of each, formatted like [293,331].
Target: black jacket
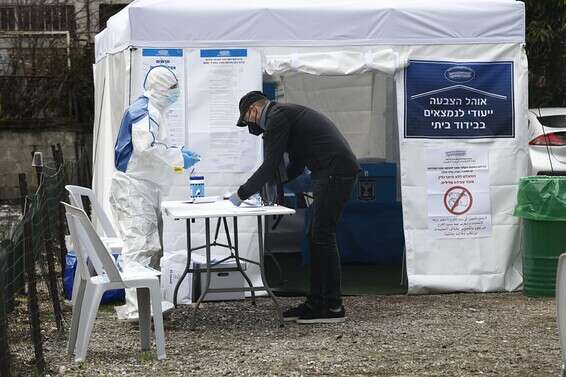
[310,139]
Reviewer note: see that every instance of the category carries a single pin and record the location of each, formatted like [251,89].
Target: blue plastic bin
[69,278]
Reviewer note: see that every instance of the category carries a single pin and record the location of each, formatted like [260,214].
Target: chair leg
[91,301]
[76,280]
[78,293]
[144,311]
[158,320]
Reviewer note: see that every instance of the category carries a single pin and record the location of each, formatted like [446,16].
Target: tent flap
[335,63]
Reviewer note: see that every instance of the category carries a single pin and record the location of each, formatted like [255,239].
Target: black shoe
[294,313]
[323,315]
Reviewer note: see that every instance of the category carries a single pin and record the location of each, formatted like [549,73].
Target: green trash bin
[541,202]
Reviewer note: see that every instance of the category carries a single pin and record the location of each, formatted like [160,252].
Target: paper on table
[203,199]
[253,202]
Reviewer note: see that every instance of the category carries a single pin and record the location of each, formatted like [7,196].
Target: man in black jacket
[303,138]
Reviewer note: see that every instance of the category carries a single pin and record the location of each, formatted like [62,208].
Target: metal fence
[32,259]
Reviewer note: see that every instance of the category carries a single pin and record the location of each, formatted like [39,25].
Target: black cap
[246,101]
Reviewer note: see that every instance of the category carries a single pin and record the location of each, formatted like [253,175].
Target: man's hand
[235,199]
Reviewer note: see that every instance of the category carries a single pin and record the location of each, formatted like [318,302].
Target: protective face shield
[158,85]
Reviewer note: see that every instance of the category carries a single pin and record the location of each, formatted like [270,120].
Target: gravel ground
[436,335]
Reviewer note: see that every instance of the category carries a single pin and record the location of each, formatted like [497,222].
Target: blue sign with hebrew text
[456,100]
[175,52]
[224,53]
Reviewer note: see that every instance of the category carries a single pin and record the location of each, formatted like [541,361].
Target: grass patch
[146,356]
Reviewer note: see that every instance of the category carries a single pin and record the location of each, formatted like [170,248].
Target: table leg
[237,255]
[208,277]
[262,271]
[275,261]
[217,229]
[187,266]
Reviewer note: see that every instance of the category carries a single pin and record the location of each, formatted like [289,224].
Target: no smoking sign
[458,193]
[458,200]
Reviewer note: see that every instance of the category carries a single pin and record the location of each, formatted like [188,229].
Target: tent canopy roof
[196,23]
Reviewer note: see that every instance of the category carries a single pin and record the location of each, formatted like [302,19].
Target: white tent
[435,86]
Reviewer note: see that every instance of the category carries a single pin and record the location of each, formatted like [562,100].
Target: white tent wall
[481,264]
[111,91]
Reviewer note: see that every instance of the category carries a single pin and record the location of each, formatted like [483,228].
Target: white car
[547,140]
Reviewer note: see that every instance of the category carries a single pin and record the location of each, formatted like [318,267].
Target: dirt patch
[436,335]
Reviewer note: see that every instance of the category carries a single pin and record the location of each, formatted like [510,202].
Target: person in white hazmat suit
[146,166]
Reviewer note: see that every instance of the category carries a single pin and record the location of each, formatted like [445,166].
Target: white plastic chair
[106,276]
[109,236]
[561,308]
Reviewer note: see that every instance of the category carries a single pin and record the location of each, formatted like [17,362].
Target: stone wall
[16,147]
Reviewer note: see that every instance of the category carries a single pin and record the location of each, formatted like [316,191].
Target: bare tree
[46,54]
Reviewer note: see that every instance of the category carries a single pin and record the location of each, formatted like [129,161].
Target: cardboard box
[220,279]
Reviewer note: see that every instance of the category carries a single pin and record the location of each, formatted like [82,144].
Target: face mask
[173,95]
[254,128]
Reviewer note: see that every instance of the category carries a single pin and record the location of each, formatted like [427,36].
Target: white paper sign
[458,193]
[217,79]
[171,58]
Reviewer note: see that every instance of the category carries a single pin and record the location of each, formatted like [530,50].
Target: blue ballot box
[371,228]
[268,88]
[377,182]
[368,233]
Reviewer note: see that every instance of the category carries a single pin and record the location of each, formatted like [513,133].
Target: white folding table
[222,209]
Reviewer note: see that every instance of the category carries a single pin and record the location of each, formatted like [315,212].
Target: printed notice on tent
[217,79]
[458,193]
[171,58]
[459,100]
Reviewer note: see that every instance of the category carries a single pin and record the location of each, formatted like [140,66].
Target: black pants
[330,196]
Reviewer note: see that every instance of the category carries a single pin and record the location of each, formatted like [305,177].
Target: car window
[554,121]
